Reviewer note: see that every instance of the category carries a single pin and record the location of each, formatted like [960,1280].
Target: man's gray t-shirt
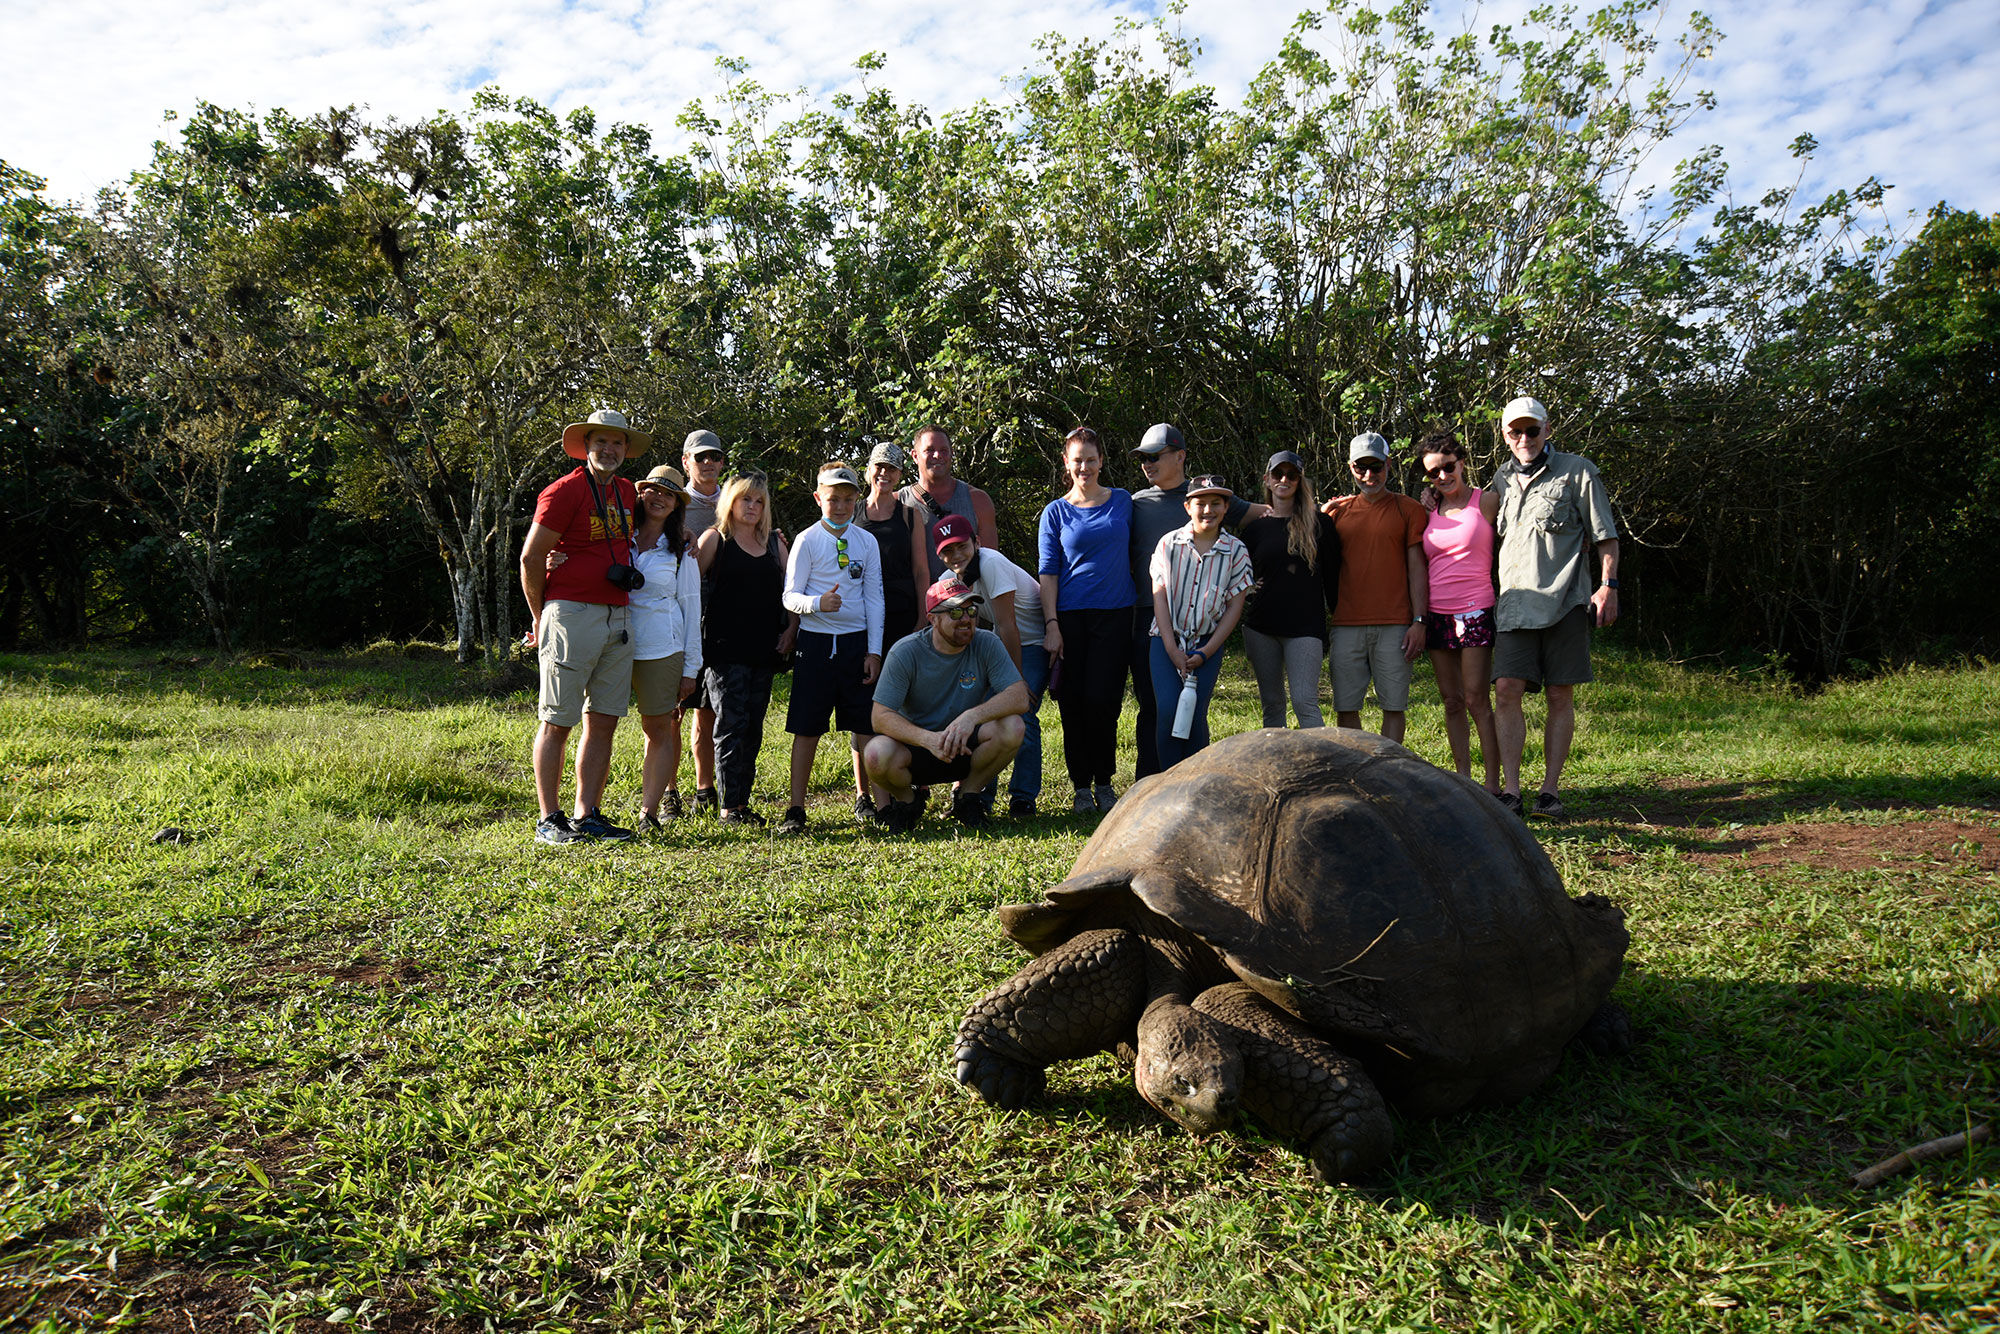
[932,688]
[1155,513]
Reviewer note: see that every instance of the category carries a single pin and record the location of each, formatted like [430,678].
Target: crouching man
[949,706]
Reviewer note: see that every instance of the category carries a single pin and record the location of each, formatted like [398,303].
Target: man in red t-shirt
[1378,616]
[580,625]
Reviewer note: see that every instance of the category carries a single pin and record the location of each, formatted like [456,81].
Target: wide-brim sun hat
[576,435]
[666,477]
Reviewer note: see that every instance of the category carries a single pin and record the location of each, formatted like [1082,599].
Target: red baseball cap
[950,528]
[948,593]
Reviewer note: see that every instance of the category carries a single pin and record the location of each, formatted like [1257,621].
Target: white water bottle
[1184,711]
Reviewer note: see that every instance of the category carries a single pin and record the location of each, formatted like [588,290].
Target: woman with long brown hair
[1295,554]
[1458,629]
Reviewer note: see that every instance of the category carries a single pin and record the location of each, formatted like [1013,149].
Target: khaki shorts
[656,684]
[1361,652]
[586,656]
[1556,655]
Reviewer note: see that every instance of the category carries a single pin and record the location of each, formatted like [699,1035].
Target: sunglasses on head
[1367,465]
[1445,469]
[1528,432]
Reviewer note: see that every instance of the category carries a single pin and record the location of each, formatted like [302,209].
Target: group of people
[906,627]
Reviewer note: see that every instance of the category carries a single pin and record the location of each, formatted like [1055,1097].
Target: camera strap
[604,519]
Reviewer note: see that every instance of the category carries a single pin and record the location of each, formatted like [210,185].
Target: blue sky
[1906,90]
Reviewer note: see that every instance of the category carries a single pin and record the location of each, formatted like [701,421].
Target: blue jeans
[1167,690]
[1025,783]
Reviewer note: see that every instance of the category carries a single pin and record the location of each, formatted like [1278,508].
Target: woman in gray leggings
[1295,554]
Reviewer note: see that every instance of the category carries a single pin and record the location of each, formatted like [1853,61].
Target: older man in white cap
[1378,617]
[1544,504]
[581,626]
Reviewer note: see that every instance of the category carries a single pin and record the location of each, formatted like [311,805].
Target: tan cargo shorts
[585,650]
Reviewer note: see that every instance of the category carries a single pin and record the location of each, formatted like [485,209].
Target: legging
[742,697]
[1281,662]
[1097,645]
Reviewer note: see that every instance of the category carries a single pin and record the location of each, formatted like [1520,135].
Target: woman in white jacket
[666,634]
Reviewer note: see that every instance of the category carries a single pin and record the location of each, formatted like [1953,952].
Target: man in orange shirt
[1378,618]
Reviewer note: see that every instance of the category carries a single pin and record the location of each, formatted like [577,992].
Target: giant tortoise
[1301,924]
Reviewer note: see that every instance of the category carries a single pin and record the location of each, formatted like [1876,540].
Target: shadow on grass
[1680,804]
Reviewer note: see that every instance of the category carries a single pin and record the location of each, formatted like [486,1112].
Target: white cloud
[1900,89]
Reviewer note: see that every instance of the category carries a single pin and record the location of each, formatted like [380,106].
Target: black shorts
[826,684]
[927,769]
[1555,655]
[1448,632]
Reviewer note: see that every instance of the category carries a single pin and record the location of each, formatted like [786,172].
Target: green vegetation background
[362,1053]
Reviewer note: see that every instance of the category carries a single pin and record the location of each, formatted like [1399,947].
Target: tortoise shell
[1398,909]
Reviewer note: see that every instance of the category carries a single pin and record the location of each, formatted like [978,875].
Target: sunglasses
[1445,469]
[1366,465]
[1286,475]
[957,613]
[1528,432]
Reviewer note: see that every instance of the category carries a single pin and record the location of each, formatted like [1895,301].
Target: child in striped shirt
[1201,577]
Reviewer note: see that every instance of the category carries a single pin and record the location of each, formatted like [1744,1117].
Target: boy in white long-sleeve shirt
[834,583]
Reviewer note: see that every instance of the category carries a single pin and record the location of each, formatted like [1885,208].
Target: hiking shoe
[1106,798]
[970,811]
[900,817]
[1512,801]
[705,800]
[1082,803]
[739,815]
[670,806]
[650,823]
[594,825]
[555,830]
[864,810]
[794,821]
[1021,808]
[1549,806]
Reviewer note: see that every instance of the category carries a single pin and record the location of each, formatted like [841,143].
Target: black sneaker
[555,830]
[1549,806]
[970,811]
[794,821]
[740,815]
[650,823]
[902,816]
[864,810]
[594,825]
[1512,801]
[1021,808]
[706,800]
[670,806]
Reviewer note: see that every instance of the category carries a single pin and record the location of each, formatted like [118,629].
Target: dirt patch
[1684,803]
[1937,845]
[366,971]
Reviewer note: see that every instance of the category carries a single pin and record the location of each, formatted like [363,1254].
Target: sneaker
[1511,800]
[739,815]
[864,810]
[594,825]
[1083,803]
[970,811]
[650,823]
[902,816]
[1021,808]
[555,830]
[1549,806]
[1106,798]
[794,821]
[670,806]
[705,800]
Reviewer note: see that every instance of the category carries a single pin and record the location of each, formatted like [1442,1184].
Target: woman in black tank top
[745,631]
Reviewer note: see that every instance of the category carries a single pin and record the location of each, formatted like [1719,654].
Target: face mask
[836,528]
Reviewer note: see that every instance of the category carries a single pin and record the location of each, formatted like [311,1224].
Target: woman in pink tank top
[1458,546]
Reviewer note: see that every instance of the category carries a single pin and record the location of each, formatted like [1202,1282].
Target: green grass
[361,1051]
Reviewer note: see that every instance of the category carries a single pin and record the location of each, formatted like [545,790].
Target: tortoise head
[1189,1066]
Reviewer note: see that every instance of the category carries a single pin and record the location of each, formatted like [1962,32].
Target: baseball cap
[1282,457]
[948,594]
[1367,445]
[838,475]
[951,528]
[1208,484]
[1524,407]
[891,453]
[1159,439]
[699,443]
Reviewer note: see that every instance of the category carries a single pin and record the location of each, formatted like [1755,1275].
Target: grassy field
[362,1055]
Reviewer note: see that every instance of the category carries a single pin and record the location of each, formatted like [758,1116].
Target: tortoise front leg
[1081,997]
[1302,1088]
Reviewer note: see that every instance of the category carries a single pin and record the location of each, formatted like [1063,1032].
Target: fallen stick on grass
[1937,1148]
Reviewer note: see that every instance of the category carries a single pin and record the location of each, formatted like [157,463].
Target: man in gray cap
[1159,509]
[702,457]
[1378,617]
[1543,503]
[579,623]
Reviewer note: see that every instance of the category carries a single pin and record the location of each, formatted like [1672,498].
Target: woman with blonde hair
[747,631]
[1458,629]
[1295,554]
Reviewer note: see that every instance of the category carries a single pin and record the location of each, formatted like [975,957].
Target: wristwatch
[1611,584]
